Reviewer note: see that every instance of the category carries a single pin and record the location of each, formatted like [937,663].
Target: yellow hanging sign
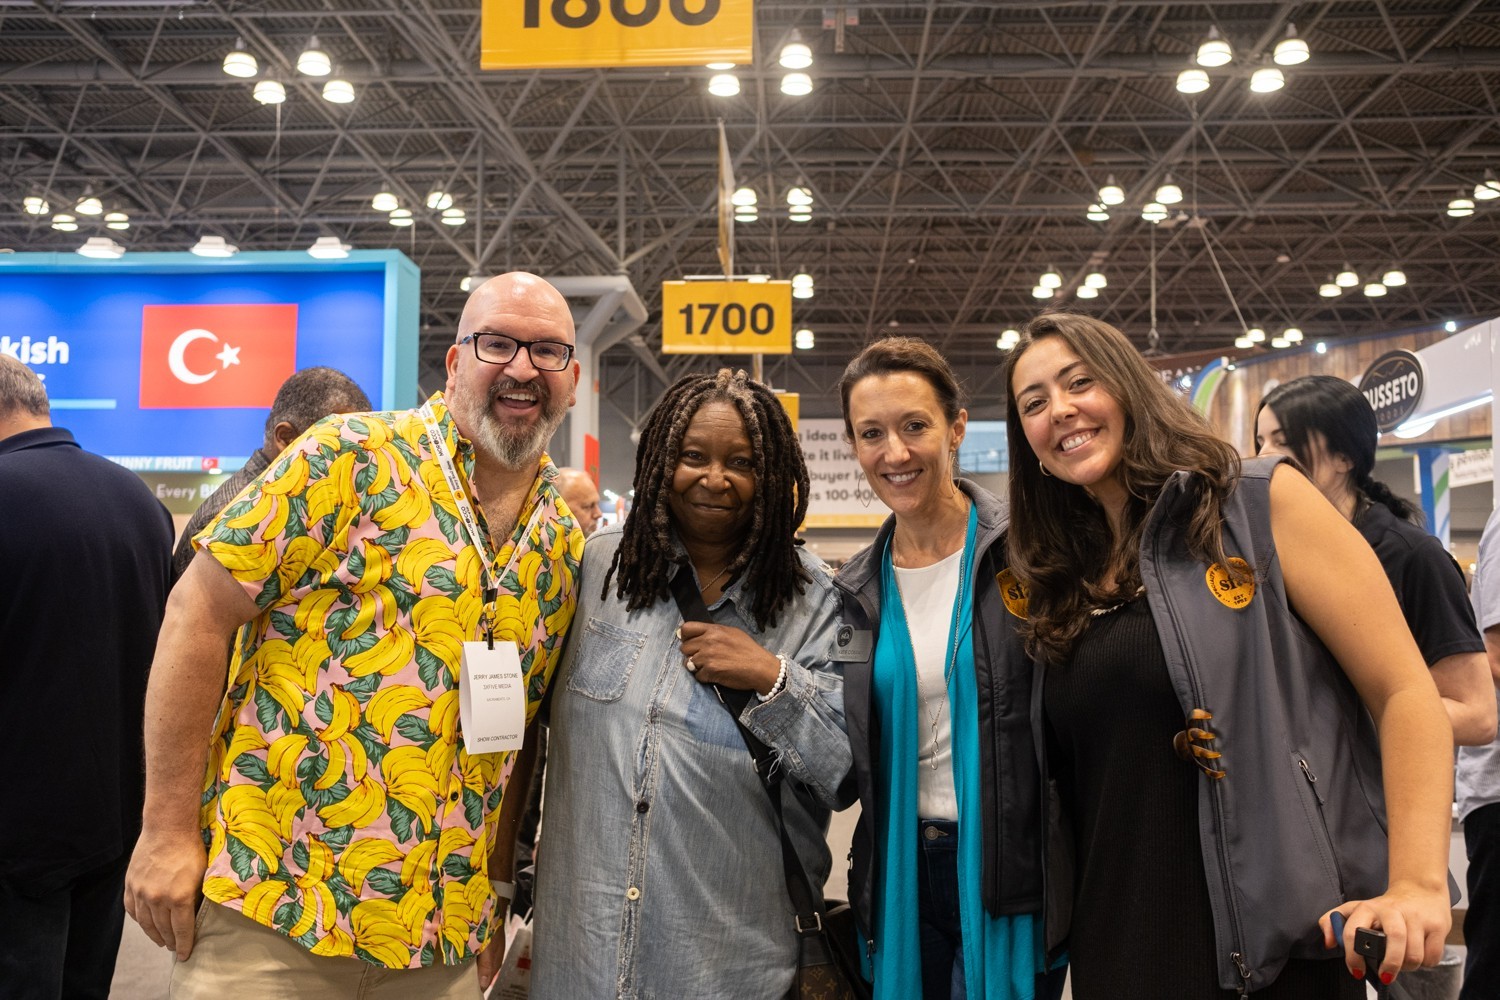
[726,317]
[556,34]
[791,402]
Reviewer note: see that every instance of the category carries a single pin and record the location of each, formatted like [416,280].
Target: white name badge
[492,698]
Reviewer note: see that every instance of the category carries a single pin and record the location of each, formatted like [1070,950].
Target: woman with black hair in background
[1327,425]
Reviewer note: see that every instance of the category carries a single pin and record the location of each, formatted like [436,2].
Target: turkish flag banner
[216,356]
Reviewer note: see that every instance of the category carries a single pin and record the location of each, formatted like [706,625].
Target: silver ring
[692,667]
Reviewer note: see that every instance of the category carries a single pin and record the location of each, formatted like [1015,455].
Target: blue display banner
[169,362]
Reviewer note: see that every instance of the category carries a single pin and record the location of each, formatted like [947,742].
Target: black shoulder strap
[806,902]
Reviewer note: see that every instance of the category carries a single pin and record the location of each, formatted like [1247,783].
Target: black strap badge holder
[808,904]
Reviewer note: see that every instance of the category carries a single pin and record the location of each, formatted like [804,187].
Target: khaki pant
[233,956]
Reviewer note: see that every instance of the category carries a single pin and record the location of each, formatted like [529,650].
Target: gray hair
[21,389]
[312,394]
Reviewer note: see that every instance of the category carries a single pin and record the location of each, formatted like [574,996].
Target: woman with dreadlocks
[659,865]
[1229,698]
[946,873]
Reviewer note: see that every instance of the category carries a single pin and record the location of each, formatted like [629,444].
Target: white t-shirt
[928,595]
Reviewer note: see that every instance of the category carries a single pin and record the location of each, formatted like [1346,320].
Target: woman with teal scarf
[946,875]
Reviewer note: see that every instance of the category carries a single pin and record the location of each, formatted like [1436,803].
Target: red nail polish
[1388,977]
[1357,973]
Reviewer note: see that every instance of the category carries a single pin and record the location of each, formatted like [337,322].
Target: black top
[1427,582]
[1142,924]
[85,562]
[214,506]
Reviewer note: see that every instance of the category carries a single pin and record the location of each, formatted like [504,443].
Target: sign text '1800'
[700,318]
[629,13]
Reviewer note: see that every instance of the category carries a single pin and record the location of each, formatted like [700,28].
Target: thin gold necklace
[705,588]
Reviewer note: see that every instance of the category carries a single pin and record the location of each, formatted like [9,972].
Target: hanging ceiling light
[1009,337]
[1154,212]
[101,248]
[1096,279]
[214,246]
[328,248]
[799,196]
[35,204]
[64,223]
[1087,292]
[239,62]
[1292,335]
[802,286]
[1097,213]
[799,216]
[454,217]
[1394,278]
[1169,193]
[1214,51]
[1279,342]
[1041,292]
[1460,208]
[795,54]
[88,204]
[1346,278]
[117,220]
[314,61]
[384,202]
[1267,80]
[1255,335]
[1375,289]
[743,197]
[720,67]
[1111,193]
[1488,188]
[724,85]
[1051,279]
[1329,290]
[1243,343]
[796,85]
[1192,81]
[747,214]
[804,339]
[401,217]
[269,91]
[338,91]
[1291,50]
[438,199]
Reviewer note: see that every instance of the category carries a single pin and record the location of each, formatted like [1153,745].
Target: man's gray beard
[510,449]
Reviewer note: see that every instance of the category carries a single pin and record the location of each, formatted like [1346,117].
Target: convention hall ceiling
[951,150]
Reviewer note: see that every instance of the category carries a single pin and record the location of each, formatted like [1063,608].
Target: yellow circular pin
[1013,593]
[1229,591]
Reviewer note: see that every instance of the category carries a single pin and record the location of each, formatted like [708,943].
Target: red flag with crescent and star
[216,356]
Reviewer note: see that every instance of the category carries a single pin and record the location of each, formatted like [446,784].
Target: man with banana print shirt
[342,838]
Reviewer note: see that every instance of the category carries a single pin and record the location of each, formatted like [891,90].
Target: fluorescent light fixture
[1346,278]
[802,279]
[1394,278]
[117,220]
[1051,279]
[1321,347]
[1292,335]
[64,223]
[338,92]
[1460,208]
[454,217]
[101,248]
[314,61]
[757,279]
[1279,342]
[239,62]
[1169,193]
[438,199]
[1009,337]
[328,248]
[1375,289]
[400,217]
[1291,50]
[805,292]
[1087,292]
[1192,81]
[214,246]
[743,196]
[470,281]
[269,92]
[796,55]
[1329,290]
[1154,212]
[88,205]
[804,339]
[747,216]
[802,215]
[796,85]
[1243,343]
[1451,326]
[724,85]
[384,202]
[1255,335]
[1041,292]
[720,67]
[35,205]
[1096,279]
[1267,80]
[1421,425]
[798,196]
[1097,213]
[1488,188]
[1111,193]
[1214,51]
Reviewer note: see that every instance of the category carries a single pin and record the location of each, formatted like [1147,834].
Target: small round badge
[1233,587]
[1013,593]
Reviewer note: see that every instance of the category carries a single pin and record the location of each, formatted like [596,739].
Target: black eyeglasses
[498,349]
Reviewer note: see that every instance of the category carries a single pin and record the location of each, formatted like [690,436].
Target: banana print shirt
[339,806]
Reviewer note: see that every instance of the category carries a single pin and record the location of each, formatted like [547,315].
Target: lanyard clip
[491,596]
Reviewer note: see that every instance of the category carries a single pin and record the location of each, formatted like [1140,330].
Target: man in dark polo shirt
[85,563]
[303,399]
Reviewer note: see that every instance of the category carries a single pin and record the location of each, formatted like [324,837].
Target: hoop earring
[862,495]
[1039,465]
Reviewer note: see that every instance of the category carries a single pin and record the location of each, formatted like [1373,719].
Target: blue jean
[941,927]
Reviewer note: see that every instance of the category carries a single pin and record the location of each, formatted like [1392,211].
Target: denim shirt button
[632,893]
[641,807]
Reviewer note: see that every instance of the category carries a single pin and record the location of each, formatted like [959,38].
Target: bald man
[581,496]
[354,844]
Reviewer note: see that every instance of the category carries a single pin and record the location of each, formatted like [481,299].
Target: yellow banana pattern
[339,806]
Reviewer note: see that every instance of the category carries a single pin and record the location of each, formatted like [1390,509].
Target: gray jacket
[1297,824]
[1010,784]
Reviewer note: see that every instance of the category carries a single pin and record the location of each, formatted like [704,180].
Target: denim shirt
[659,864]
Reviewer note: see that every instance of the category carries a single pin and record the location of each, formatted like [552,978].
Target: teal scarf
[1001,954]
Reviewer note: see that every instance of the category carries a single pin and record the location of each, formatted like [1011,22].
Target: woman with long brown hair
[1215,643]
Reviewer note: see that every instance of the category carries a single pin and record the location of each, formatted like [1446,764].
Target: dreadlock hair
[1334,408]
[1060,541]
[768,557]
